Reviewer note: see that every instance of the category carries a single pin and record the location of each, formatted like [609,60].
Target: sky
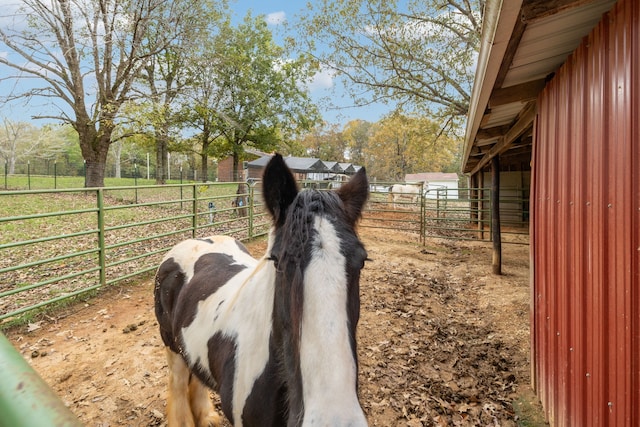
[276,12]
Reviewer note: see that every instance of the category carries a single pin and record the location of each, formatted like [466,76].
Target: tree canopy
[85,57]
[420,56]
[246,93]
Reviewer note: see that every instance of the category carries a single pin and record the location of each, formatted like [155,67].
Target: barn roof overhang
[523,43]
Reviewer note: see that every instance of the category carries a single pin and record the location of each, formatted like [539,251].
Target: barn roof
[523,43]
[333,166]
[296,164]
[348,168]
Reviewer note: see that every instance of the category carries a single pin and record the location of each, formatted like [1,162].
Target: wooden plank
[489,133]
[510,53]
[524,92]
[537,9]
[524,122]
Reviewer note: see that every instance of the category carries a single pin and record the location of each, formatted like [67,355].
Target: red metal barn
[558,87]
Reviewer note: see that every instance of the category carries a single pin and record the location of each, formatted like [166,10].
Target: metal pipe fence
[59,244]
[25,399]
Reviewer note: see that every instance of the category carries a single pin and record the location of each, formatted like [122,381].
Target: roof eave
[500,19]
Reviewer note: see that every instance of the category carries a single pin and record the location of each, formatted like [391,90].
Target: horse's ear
[354,195]
[279,188]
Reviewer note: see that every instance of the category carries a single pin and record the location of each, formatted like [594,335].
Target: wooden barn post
[495,215]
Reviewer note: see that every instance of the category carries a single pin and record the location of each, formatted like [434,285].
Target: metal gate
[465,214]
[458,213]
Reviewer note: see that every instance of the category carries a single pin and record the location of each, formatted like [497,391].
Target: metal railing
[25,398]
[59,244]
[465,214]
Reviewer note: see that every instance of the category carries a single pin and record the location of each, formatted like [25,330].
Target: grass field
[41,182]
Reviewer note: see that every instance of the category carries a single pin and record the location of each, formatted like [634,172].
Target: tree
[246,92]
[166,75]
[17,139]
[421,56]
[74,48]
[356,134]
[326,142]
[401,144]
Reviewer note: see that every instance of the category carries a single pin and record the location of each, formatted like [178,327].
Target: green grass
[41,182]
[528,410]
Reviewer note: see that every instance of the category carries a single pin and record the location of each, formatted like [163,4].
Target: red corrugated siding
[586,230]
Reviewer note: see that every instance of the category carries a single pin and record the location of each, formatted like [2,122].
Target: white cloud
[323,79]
[276,18]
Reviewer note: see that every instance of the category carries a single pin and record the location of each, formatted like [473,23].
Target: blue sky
[276,12]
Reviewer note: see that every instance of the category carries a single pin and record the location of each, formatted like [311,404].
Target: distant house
[436,184]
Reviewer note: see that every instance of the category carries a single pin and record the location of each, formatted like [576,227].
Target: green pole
[194,210]
[102,257]
[250,203]
[25,399]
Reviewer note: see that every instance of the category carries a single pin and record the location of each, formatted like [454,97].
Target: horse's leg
[178,407]
[201,405]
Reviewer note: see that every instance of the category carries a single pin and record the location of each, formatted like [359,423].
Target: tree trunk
[205,167]
[162,162]
[117,155]
[95,170]
[236,167]
[95,147]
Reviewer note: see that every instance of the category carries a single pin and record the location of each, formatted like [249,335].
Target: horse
[406,191]
[274,337]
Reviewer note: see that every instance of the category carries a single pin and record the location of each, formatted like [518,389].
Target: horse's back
[190,272]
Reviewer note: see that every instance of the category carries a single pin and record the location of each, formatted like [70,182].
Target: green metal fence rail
[465,214]
[25,399]
[58,244]
[405,214]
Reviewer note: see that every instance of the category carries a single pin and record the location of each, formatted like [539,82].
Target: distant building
[225,166]
[305,168]
[436,184]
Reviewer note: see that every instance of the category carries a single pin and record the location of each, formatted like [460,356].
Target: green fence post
[101,245]
[194,222]
[250,203]
[25,399]
[423,222]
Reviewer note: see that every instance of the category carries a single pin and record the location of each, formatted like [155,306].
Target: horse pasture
[441,341]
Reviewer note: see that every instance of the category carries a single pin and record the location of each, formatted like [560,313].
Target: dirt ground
[442,341]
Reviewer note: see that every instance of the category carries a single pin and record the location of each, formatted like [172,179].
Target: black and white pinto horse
[275,337]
